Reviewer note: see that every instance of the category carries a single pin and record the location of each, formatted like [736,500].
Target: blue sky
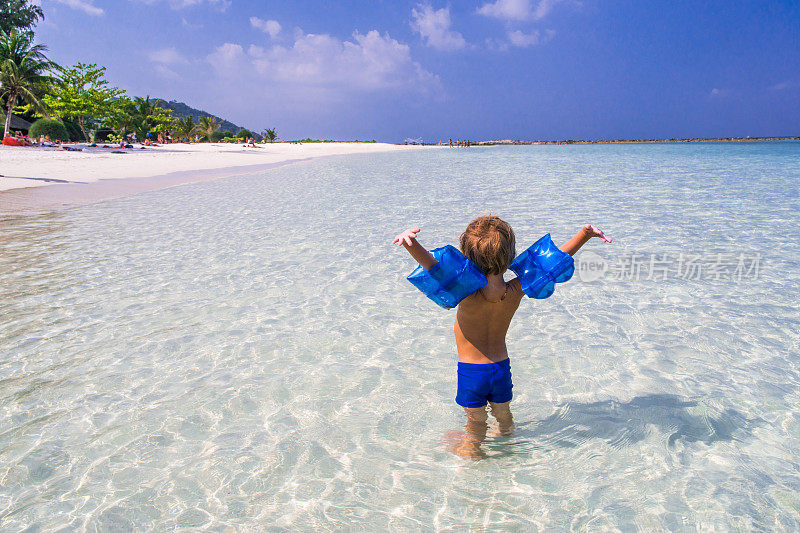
[518,69]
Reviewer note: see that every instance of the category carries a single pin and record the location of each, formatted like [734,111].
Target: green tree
[185,127]
[82,93]
[24,72]
[217,136]
[149,117]
[244,134]
[207,126]
[120,117]
[51,127]
[270,134]
[19,15]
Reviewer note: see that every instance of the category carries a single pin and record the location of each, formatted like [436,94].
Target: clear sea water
[245,354]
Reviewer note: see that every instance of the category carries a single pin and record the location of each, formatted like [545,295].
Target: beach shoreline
[37,179]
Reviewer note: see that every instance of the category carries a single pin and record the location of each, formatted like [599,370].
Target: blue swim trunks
[479,383]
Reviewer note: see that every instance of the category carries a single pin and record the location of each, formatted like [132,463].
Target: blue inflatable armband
[541,266]
[450,280]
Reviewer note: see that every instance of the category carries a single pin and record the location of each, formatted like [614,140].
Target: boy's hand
[596,232]
[407,237]
[582,237]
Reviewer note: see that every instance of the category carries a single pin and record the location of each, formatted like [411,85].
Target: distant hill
[181,110]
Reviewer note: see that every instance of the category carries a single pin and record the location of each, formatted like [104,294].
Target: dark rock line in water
[509,142]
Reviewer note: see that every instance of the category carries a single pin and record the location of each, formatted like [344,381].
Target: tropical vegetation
[80,93]
[52,128]
[208,126]
[80,98]
[24,72]
[269,135]
[19,15]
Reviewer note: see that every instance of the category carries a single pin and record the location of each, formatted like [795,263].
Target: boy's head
[489,242]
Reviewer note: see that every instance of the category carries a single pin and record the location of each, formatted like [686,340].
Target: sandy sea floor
[246,354]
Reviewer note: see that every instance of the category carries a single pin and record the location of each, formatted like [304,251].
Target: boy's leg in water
[468,444]
[476,421]
[505,422]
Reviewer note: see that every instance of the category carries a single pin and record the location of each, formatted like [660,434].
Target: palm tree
[23,71]
[184,127]
[269,134]
[207,126]
[148,115]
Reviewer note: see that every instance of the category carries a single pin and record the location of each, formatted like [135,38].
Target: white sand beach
[48,178]
[38,167]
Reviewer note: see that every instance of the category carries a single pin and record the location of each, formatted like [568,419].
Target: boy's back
[482,321]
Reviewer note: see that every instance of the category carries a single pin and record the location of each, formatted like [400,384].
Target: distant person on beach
[24,140]
[482,320]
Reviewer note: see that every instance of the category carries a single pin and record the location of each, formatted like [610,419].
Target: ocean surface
[246,354]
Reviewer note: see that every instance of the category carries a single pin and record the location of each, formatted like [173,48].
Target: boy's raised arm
[580,238]
[408,239]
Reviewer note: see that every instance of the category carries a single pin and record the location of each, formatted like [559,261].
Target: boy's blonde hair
[489,242]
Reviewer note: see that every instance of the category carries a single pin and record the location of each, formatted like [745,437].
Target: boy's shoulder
[478,302]
[515,290]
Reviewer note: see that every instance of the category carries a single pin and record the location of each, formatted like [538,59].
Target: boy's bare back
[482,321]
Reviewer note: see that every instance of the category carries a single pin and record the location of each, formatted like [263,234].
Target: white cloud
[165,59]
[226,56]
[543,8]
[167,56]
[166,72]
[785,85]
[522,40]
[222,5]
[518,38]
[370,62]
[507,9]
[517,10]
[191,26]
[272,27]
[434,27]
[84,5]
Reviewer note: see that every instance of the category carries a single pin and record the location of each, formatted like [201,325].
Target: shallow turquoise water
[246,353]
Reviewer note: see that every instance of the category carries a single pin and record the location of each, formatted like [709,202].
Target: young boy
[482,320]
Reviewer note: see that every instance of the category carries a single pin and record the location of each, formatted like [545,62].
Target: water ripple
[246,355]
